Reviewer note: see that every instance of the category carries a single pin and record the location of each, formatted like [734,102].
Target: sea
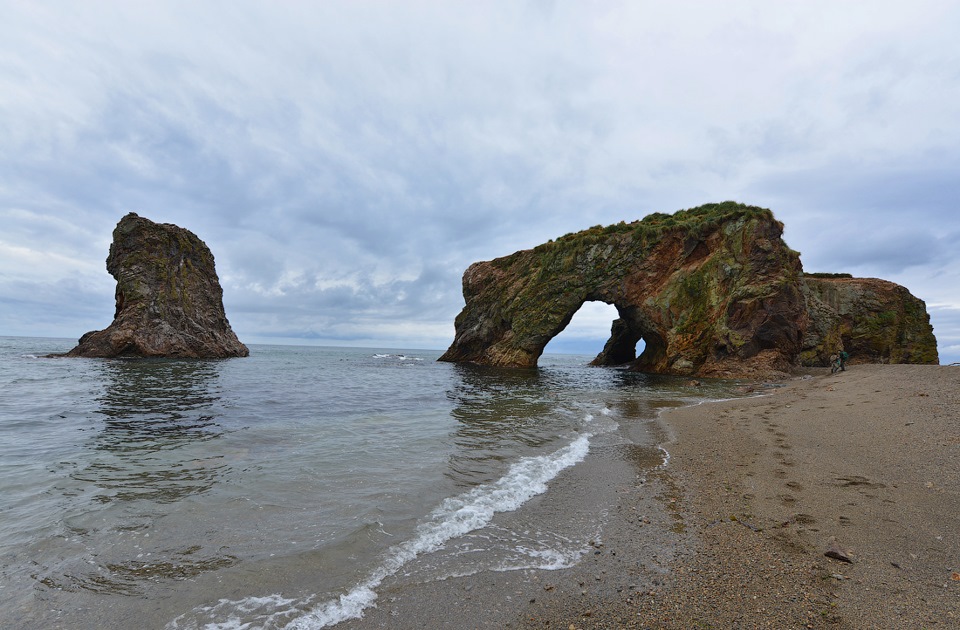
[288,488]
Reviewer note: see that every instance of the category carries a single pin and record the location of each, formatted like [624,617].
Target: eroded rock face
[712,291]
[169,300]
[876,321]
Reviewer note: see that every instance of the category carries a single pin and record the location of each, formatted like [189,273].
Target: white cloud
[345,161]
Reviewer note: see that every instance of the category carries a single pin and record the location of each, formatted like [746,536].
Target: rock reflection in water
[534,408]
[131,576]
[492,405]
[155,413]
[156,444]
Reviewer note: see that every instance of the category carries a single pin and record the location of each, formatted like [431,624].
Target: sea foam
[454,517]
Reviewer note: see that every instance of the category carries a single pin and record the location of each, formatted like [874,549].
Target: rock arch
[712,291]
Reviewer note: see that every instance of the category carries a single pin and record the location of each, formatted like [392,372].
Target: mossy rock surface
[875,321]
[169,302]
[712,291]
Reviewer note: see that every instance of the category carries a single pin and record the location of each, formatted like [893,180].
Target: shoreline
[615,489]
[864,464]
[734,531]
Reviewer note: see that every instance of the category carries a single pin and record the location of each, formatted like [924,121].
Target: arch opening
[587,332]
[629,334]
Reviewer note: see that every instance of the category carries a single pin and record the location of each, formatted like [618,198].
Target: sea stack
[169,299]
[712,291]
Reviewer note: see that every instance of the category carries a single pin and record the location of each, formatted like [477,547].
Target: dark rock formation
[169,300]
[712,291]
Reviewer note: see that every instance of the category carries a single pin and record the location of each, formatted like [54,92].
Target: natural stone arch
[712,291]
[700,286]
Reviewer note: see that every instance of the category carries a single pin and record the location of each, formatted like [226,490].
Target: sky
[346,161]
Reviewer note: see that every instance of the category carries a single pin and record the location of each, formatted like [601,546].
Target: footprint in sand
[857,481]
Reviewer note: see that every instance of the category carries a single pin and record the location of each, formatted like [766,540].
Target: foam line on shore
[452,518]
[668,430]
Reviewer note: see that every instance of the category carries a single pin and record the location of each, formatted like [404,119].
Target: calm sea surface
[282,490]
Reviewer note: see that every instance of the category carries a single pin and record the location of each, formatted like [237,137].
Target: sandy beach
[831,501]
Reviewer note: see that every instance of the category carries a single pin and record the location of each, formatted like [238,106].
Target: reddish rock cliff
[874,320]
[712,291]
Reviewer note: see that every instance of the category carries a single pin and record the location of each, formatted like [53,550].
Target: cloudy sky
[346,161]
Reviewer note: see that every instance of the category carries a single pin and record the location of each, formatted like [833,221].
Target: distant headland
[712,291]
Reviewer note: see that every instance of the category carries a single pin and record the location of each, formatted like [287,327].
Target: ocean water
[283,490]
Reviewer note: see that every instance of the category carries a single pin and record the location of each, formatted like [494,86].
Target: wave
[399,357]
[454,517]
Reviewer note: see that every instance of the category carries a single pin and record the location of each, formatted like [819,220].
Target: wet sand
[734,531]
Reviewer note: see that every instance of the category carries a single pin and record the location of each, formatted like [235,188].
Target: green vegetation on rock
[712,290]
[168,298]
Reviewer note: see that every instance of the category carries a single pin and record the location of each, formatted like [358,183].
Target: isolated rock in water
[169,300]
[712,291]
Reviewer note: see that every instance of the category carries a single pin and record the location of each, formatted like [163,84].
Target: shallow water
[283,489]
